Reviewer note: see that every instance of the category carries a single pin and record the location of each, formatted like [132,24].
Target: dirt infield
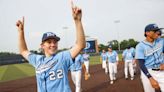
[98,82]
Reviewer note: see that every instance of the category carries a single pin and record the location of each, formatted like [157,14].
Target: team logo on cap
[155,26]
[50,34]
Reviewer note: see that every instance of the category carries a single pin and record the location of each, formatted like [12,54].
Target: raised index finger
[23,20]
[72,4]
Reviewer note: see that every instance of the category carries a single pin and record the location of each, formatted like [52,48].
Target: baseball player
[134,60]
[112,58]
[128,64]
[52,68]
[86,62]
[149,54]
[76,72]
[103,58]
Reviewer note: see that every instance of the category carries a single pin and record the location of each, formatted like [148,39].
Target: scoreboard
[91,46]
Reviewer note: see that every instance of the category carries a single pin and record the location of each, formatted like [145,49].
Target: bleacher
[11,59]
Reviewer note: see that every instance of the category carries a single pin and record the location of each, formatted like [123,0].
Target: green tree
[114,44]
[129,42]
[101,47]
[124,44]
[133,43]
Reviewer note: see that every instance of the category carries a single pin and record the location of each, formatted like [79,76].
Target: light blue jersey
[133,51]
[112,56]
[77,65]
[128,54]
[151,53]
[103,56]
[52,72]
[86,57]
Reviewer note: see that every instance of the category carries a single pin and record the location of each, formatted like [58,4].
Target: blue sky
[99,18]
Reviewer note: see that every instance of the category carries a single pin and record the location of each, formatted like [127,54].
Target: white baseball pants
[104,66]
[112,70]
[86,63]
[128,65]
[157,75]
[76,78]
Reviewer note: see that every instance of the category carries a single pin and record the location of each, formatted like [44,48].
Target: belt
[155,69]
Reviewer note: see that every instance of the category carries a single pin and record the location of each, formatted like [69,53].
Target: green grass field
[17,71]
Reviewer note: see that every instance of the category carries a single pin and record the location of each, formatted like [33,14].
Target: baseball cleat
[114,78]
[111,82]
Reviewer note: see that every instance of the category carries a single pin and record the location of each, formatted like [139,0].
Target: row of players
[109,61]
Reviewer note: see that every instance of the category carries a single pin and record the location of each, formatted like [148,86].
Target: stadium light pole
[117,29]
[66,29]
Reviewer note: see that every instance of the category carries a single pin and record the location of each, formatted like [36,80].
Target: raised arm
[80,37]
[21,39]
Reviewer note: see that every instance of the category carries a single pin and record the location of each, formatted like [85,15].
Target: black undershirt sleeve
[143,68]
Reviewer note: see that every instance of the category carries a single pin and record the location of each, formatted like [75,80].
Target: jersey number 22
[56,75]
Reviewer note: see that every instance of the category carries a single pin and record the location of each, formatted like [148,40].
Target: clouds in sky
[98,20]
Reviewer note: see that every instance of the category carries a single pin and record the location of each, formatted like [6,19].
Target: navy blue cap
[152,27]
[49,35]
[128,46]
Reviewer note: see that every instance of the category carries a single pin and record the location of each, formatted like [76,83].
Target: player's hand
[76,12]
[162,67]
[154,83]
[20,24]
[86,76]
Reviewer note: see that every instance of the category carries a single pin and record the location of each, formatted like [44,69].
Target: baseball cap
[152,27]
[128,46]
[49,35]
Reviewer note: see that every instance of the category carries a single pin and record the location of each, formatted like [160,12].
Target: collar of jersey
[49,58]
[148,43]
